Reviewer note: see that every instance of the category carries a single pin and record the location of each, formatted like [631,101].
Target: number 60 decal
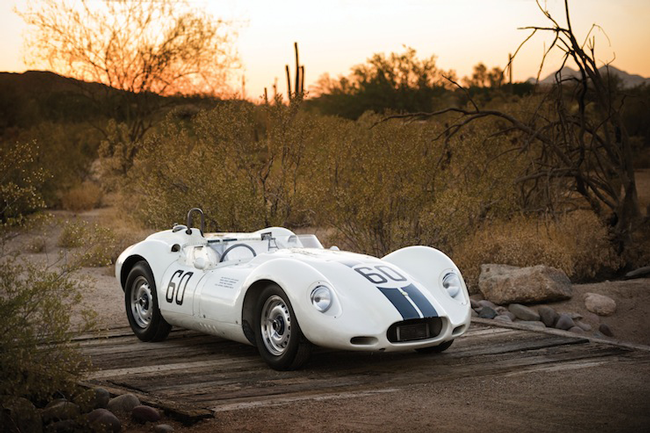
[174,288]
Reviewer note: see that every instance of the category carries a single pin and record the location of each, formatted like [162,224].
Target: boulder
[21,413]
[93,398]
[605,330]
[486,303]
[522,312]
[123,403]
[564,322]
[600,304]
[103,420]
[503,318]
[144,414]
[487,313]
[503,284]
[163,428]
[60,411]
[547,315]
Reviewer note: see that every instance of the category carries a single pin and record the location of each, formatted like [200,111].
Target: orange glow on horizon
[335,35]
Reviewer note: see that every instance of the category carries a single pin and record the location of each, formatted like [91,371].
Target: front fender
[429,266]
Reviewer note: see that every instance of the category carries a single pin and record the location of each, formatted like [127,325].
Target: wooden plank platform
[194,375]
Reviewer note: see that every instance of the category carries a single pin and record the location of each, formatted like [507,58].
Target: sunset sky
[337,34]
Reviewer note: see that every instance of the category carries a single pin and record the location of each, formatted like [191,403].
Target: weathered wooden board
[196,375]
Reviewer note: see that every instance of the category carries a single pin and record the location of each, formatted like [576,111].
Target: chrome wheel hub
[275,325]
[141,302]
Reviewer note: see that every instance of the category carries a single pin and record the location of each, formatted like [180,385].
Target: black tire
[141,302]
[278,337]
[435,349]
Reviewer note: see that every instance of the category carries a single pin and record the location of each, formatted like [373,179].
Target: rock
[501,310]
[547,315]
[564,322]
[584,326]
[531,323]
[60,411]
[503,318]
[485,303]
[65,426]
[638,273]
[474,313]
[123,403]
[577,330]
[93,398]
[605,330]
[474,303]
[163,428]
[21,413]
[509,314]
[575,316]
[487,313]
[145,414]
[504,284]
[522,312]
[103,420]
[600,304]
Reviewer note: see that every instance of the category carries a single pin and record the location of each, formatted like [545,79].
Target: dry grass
[577,243]
[83,197]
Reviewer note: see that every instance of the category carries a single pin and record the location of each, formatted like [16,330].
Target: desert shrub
[37,244]
[21,180]
[82,197]
[242,164]
[385,185]
[37,357]
[577,243]
[66,150]
[92,244]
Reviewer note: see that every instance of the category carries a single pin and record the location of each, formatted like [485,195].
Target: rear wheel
[435,349]
[141,302]
[278,337]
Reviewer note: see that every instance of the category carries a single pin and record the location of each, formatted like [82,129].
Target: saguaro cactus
[299,84]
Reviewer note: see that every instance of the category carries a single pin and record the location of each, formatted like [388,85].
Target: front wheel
[141,302]
[278,336]
[435,349]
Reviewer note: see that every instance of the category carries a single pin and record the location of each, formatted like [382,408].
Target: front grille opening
[458,330]
[414,330]
[363,341]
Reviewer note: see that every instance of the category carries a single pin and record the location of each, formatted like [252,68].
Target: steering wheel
[229,249]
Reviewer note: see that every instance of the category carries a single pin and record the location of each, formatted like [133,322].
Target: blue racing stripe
[401,303]
[421,301]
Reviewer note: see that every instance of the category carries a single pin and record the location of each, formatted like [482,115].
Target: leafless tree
[142,48]
[576,138]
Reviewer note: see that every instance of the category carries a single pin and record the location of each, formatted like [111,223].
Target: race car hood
[367,281]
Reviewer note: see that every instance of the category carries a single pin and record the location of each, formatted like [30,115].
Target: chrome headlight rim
[451,283]
[321,297]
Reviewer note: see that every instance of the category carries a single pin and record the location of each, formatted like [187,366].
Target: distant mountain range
[628,80]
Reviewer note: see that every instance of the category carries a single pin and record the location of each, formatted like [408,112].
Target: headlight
[321,298]
[451,283]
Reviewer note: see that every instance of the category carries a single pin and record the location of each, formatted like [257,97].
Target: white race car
[283,292]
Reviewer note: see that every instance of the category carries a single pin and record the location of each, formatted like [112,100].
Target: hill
[628,80]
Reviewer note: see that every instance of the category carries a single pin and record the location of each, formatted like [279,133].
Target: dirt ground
[515,402]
